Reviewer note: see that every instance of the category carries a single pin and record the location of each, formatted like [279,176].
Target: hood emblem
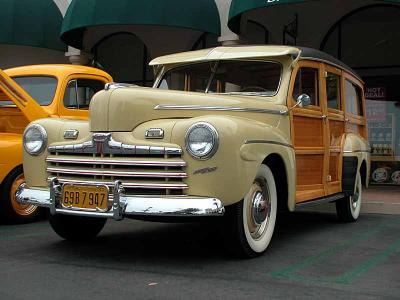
[154,133]
[71,134]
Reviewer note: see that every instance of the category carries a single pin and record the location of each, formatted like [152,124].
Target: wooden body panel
[319,132]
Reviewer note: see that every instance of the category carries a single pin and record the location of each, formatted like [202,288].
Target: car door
[78,92]
[309,131]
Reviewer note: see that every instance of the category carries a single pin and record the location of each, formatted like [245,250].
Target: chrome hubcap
[355,198]
[259,209]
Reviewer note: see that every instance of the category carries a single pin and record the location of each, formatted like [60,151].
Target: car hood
[123,109]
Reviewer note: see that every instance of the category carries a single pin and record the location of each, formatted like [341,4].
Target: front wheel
[75,228]
[348,208]
[249,224]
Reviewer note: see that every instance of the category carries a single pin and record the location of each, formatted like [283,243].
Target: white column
[227,36]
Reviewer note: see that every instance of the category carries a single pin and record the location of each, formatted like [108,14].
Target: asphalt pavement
[312,256]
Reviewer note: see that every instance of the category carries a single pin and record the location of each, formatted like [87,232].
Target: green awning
[35,23]
[239,7]
[201,15]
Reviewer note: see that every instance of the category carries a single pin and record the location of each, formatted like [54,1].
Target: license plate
[85,197]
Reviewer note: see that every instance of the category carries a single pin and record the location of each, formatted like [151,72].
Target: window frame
[165,70]
[36,76]
[308,65]
[62,110]
[341,103]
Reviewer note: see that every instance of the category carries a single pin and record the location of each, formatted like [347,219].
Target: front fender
[35,166]
[243,146]
[10,153]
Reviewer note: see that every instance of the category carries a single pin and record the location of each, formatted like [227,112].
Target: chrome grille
[143,170]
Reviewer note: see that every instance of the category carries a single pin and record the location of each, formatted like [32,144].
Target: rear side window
[79,92]
[353,99]
[307,83]
[333,90]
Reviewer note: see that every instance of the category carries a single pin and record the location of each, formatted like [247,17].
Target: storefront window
[384,135]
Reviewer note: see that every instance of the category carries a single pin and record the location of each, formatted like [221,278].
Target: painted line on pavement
[348,276]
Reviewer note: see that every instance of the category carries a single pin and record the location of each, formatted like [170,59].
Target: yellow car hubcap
[22,210]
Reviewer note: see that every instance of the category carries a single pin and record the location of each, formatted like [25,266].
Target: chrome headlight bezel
[215,140]
[43,134]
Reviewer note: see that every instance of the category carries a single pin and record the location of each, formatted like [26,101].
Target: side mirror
[303,100]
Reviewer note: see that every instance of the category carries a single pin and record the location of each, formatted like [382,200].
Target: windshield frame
[36,100]
[165,70]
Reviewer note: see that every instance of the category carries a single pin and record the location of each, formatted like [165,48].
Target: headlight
[201,140]
[35,139]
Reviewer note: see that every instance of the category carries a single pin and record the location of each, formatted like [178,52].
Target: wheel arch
[364,173]
[278,168]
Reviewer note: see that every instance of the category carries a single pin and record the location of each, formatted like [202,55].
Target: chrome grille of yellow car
[143,170]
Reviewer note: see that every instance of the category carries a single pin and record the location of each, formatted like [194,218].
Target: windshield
[41,88]
[258,78]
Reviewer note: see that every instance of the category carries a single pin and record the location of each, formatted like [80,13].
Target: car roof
[250,51]
[57,70]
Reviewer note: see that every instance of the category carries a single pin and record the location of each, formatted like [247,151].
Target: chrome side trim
[143,185]
[93,161]
[104,172]
[103,143]
[115,85]
[218,108]
[328,199]
[268,142]
[126,205]
[356,151]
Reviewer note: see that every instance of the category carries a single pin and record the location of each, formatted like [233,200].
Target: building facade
[124,37]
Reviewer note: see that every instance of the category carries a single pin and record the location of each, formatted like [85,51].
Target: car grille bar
[135,185]
[102,172]
[121,162]
[143,170]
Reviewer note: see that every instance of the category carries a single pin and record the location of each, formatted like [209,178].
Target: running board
[328,199]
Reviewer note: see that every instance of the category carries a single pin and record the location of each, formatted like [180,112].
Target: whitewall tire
[249,224]
[348,209]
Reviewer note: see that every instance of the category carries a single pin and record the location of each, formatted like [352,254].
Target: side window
[79,92]
[353,99]
[333,90]
[307,83]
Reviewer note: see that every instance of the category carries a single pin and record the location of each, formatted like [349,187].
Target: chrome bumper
[125,205]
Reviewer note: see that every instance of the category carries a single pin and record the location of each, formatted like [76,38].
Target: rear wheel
[348,208]
[76,228]
[249,224]
[10,210]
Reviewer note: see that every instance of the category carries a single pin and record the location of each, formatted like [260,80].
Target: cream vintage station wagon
[229,132]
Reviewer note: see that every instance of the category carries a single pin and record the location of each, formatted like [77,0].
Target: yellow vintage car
[230,133]
[29,93]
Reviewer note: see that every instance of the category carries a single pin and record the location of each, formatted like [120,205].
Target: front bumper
[125,205]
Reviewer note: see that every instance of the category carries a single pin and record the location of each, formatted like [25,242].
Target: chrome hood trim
[103,143]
